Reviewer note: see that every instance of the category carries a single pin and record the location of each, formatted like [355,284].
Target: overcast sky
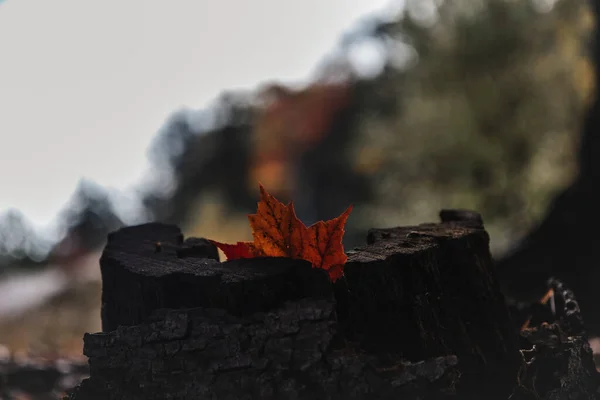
[85,85]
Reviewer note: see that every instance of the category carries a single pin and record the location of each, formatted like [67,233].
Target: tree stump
[557,358]
[430,290]
[418,315]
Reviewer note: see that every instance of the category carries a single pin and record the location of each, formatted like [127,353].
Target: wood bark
[557,359]
[418,314]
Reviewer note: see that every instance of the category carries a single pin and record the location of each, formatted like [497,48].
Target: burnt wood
[143,270]
[429,290]
[418,314]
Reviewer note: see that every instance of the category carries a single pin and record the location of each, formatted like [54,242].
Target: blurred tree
[565,242]
[211,156]
[474,104]
[18,240]
[88,218]
[85,222]
[492,92]
[293,125]
[293,141]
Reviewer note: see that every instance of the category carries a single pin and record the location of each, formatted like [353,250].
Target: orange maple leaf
[238,250]
[278,232]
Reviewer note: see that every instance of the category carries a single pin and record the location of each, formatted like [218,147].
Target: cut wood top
[155,250]
[384,243]
[141,275]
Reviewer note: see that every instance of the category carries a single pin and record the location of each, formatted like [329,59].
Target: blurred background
[118,113]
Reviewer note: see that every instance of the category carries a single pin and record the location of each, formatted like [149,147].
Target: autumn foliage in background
[278,232]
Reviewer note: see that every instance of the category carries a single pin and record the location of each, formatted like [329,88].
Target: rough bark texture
[557,361]
[147,267]
[417,315]
[426,291]
[283,354]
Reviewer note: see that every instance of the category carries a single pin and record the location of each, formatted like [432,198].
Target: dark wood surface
[418,315]
[141,274]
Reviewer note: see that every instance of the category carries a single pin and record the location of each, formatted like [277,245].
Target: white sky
[86,84]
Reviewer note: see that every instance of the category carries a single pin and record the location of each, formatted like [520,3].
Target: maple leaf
[278,232]
[235,251]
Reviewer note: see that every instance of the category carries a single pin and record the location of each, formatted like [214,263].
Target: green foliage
[490,113]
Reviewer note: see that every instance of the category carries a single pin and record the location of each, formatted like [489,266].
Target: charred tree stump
[149,267]
[418,315]
[557,359]
[430,290]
